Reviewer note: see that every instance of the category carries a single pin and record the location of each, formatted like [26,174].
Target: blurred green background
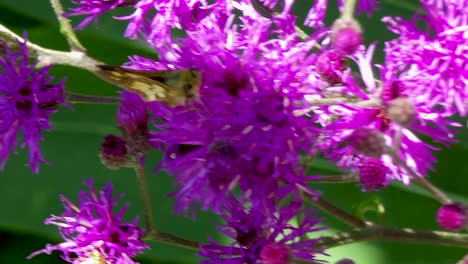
[72,148]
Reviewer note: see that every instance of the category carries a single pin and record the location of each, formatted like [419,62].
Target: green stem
[348,9]
[65,27]
[145,198]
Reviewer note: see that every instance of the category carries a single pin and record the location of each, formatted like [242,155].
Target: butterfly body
[174,87]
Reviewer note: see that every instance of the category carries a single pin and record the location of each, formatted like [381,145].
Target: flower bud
[452,216]
[113,152]
[328,63]
[346,36]
[373,174]
[274,253]
[401,111]
[132,120]
[368,142]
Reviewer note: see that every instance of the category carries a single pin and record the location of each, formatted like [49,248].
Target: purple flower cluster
[27,98]
[244,132]
[92,232]
[168,14]
[267,98]
[395,110]
[242,139]
[437,54]
[262,237]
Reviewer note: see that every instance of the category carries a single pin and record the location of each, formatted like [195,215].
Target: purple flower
[93,233]
[438,53]
[262,236]
[152,18]
[401,110]
[366,6]
[316,16]
[27,98]
[93,8]
[164,15]
[244,132]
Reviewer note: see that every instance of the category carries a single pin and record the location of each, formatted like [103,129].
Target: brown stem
[394,234]
[337,179]
[421,181]
[438,194]
[337,212]
[92,99]
[172,239]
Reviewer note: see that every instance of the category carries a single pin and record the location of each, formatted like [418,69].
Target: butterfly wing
[171,86]
[149,89]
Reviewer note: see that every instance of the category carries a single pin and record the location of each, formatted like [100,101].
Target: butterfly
[174,87]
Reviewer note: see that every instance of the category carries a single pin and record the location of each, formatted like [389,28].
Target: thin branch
[421,181]
[438,194]
[172,239]
[145,198]
[303,261]
[45,56]
[406,235]
[90,99]
[65,27]
[337,100]
[336,179]
[337,212]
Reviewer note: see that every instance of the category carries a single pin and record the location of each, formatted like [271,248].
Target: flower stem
[438,194]
[172,239]
[337,179]
[337,212]
[46,57]
[303,261]
[145,198]
[335,101]
[90,99]
[65,27]
[348,9]
[421,181]
[395,234]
